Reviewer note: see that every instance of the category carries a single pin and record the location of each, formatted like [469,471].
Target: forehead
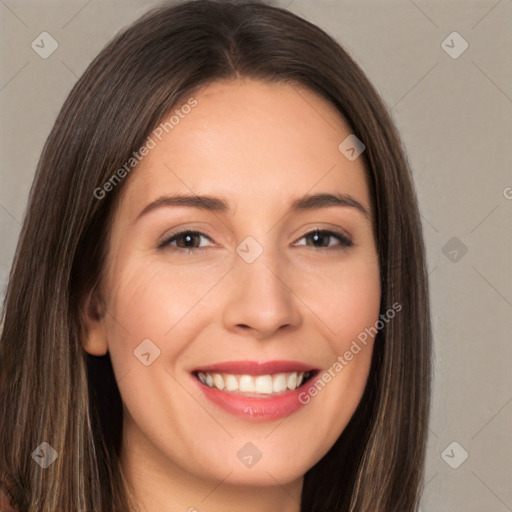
[251,142]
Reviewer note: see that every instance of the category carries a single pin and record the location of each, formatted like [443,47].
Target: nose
[260,298]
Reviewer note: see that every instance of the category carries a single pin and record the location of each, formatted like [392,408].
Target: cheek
[150,299]
[358,304]
[344,296]
[156,309]
[140,312]
[346,302]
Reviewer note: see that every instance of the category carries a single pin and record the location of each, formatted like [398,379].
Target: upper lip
[256,367]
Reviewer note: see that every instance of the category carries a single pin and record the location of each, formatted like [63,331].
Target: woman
[219,294]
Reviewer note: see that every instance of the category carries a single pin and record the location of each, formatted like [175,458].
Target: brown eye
[321,239]
[187,240]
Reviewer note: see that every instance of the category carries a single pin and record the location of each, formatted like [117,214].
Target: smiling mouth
[255,386]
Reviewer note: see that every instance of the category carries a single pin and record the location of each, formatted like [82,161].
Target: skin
[258,146]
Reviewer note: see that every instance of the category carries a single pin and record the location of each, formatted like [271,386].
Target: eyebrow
[216,204]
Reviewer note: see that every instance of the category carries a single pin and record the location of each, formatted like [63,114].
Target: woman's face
[252,299]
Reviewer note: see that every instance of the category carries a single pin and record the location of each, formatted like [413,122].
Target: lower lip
[270,408]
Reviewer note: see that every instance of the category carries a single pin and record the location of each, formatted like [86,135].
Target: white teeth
[246,384]
[260,384]
[218,381]
[231,383]
[263,384]
[279,383]
[292,381]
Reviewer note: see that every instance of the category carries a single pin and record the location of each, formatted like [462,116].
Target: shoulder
[5,503]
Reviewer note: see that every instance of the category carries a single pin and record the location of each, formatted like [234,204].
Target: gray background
[455,118]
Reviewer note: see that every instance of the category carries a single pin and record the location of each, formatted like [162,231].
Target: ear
[94,336]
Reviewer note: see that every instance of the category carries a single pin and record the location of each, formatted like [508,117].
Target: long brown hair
[52,391]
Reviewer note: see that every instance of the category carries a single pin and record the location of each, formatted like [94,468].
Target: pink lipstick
[257,390]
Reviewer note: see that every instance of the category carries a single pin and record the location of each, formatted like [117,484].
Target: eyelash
[344,240]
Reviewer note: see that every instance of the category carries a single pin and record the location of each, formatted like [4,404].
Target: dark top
[5,503]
